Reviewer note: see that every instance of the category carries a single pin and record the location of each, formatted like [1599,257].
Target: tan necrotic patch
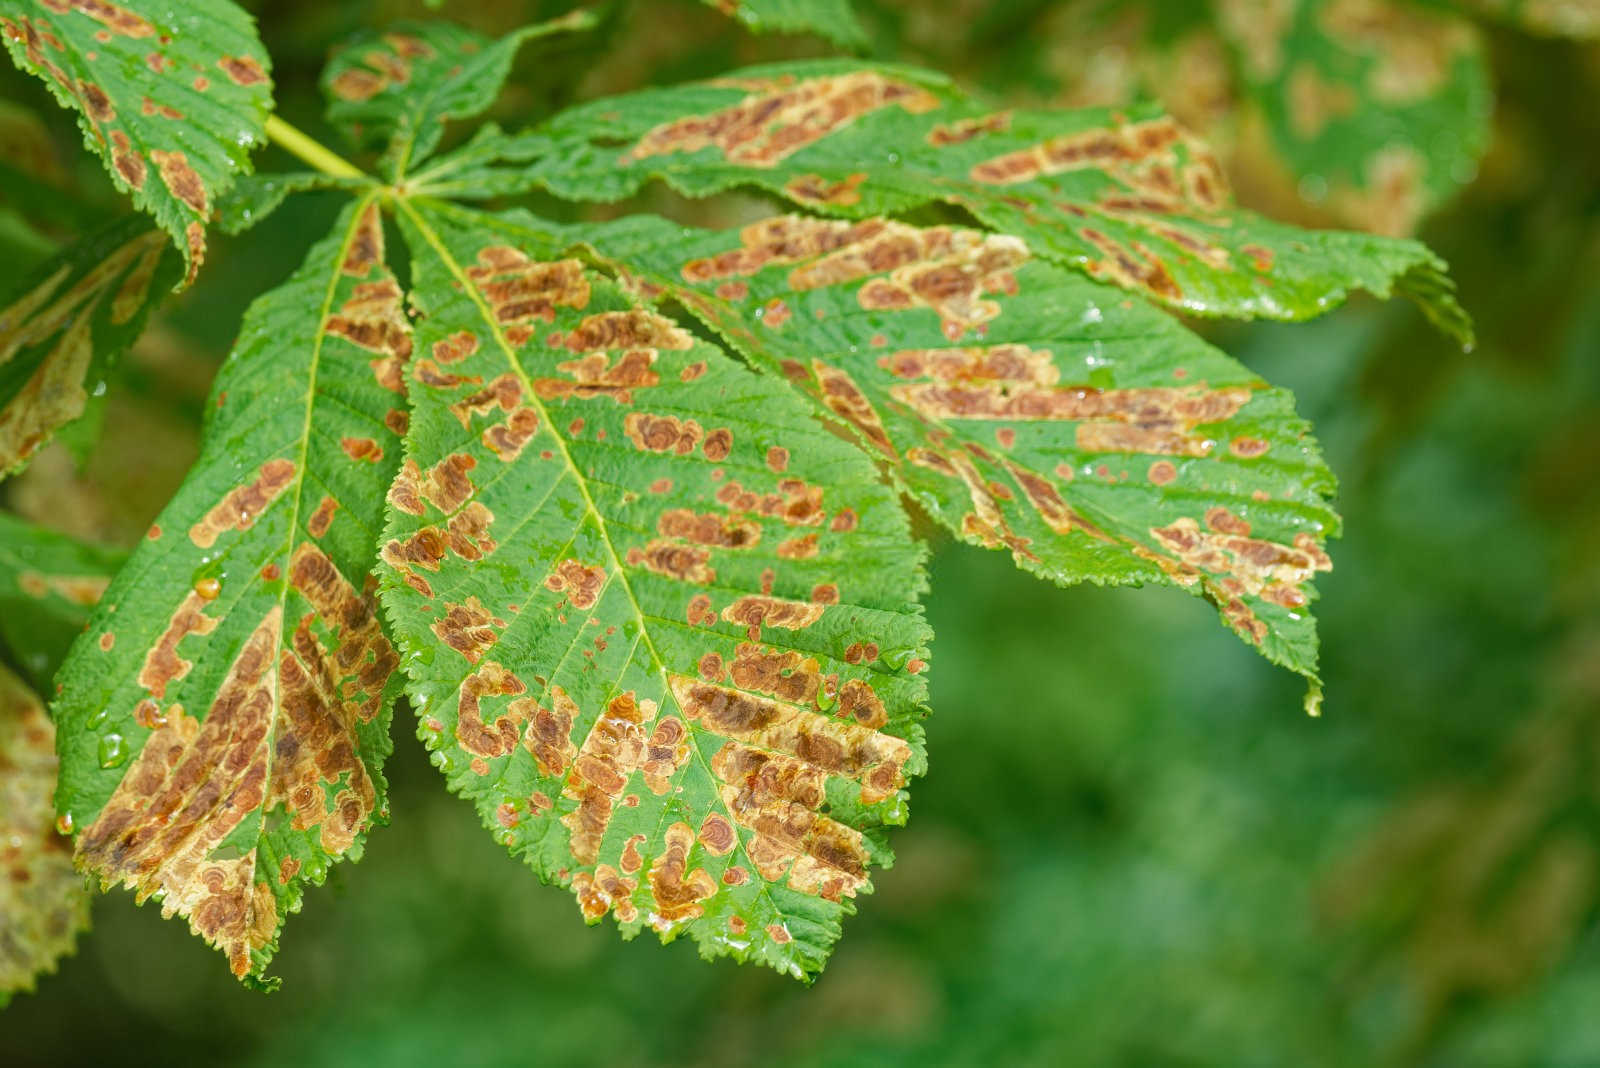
[773,123]
[243,505]
[191,786]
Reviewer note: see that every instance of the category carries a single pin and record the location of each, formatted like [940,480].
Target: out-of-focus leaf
[1376,108]
[224,720]
[661,627]
[398,87]
[1126,196]
[1563,18]
[43,903]
[64,324]
[834,19]
[1026,407]
[172,97]
[48,584]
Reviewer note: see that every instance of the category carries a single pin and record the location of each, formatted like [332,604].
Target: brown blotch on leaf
[469,628]
[723,531]
[677,890]
[718,444]
[128,163]
[240,508]
[483,739]
[519,289]
[661,433]
[595,375]
[181,180]
[754,612]
[771,125]
[796,503]
[581,584]
[362,449]
[815,189]
[243,70]
[717,835]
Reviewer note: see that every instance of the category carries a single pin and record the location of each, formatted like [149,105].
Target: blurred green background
[1131,847]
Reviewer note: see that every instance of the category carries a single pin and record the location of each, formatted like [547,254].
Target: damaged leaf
[398,87]
[225,718]
[43,903]
[661,627]
[172,98]
[63,325]
[1128,197]
[1378,109]
[834,19]
[48,584]
[1025,407]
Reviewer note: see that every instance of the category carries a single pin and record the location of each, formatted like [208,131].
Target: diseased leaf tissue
[656,608]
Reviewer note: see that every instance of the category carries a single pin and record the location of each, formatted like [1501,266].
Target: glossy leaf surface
[171,96]
[398,87]
[1127,197]
[225,718]
[1024,406]
[660,626]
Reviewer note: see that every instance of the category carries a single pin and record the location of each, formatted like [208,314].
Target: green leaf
[1127,197]
[398,87]
[224,721]
[256,196]
[48,584]
[1381,111]
[43,904]
[61,327]
[172,97]
[660,626]
[834,19]
[1024,406]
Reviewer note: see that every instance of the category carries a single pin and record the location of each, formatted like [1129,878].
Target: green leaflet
[1024,406]
[225,718]
[399,87]
[64,324]
[834,19]
[43,904]
[48,584]
[660,626]
[172,97]
[256,196]
[1126,197]
[1380,110]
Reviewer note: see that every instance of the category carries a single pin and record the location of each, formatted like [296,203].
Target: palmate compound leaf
[171,96]
[1025,406]
[1379,109]
[834,19]
[62,326]
[398,87]
[660,626]
[1128,197]
[43,903]
[224,720]
[48,584]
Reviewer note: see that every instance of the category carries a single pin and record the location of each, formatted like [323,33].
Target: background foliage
[1162,837]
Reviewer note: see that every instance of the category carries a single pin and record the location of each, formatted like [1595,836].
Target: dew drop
[113,751]
[64,823]
[207,587]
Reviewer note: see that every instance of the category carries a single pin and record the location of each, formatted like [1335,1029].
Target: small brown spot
[107,640]
[1162,472]
[244,70]
[359,449]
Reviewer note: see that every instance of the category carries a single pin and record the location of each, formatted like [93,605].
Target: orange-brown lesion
[242,506]
[191,786]
[774,122]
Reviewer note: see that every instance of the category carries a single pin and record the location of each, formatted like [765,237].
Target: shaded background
[1131,847]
